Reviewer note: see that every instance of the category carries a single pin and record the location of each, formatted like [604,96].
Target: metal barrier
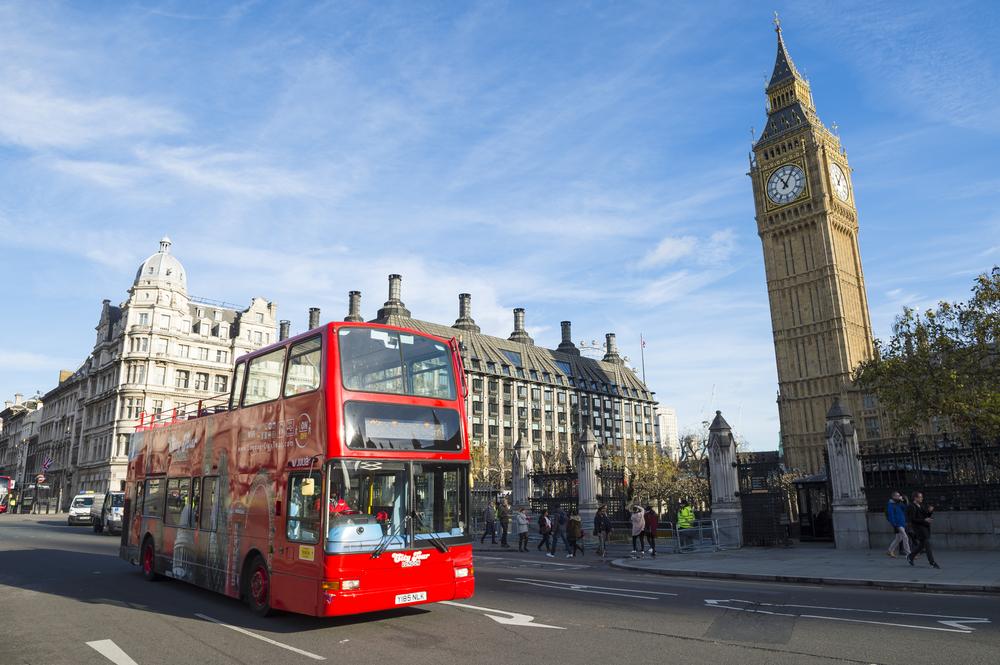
[728,533]
[701,536]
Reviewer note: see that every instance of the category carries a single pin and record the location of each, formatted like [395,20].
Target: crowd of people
[560,528]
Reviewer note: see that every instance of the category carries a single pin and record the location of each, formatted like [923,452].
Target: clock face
[786,184]
[839,181]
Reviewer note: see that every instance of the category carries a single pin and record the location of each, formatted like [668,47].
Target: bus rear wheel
[147,561]
[258,587]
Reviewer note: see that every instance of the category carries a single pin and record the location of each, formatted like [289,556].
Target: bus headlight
[350,585]
[463,572]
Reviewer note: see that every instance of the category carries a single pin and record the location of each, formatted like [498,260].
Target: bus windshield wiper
[435,540]
[385,541]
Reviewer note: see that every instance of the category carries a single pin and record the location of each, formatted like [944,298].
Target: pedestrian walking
[559,523]
[638,525]
[13,504]
[490,520]
[503,517]
[919,518]
[574,534]
[896,515]
[602,530]
[544,530]
[521,529]
[650,523]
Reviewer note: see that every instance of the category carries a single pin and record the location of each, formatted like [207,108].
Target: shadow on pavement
[105,579]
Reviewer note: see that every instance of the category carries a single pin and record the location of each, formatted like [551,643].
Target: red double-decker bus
[335,480]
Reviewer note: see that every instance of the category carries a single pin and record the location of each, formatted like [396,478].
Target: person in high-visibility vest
[685,516]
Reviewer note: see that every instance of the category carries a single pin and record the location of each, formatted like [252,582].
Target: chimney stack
[465,320]
[354,307]
[18,398]
[394,305]
[520,334]
[283,327]
[313,317]
[611,350]
[567,345]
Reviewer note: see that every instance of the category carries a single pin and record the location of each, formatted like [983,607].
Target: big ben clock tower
[808,227]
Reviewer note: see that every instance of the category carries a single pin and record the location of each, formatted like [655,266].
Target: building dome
[162,269]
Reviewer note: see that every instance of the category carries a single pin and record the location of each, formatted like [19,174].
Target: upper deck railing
[205,406]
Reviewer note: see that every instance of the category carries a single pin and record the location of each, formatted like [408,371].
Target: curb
[805,579]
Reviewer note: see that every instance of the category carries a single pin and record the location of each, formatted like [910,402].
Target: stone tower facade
[808,226]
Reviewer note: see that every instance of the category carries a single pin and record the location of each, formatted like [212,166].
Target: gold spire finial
[777,22]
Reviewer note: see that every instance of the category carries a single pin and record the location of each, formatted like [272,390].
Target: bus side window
[303,516]
[178,502]
[303,367]
[195,503]
[237,387]
[264,378]
[208,502]
[153,504]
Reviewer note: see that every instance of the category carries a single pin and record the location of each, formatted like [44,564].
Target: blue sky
[585,161]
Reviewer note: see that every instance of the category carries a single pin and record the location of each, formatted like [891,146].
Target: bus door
[297,566]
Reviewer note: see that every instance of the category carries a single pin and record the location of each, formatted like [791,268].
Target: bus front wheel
[147,561]
[258,586]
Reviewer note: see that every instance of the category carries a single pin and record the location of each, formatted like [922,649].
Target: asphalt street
[67,598]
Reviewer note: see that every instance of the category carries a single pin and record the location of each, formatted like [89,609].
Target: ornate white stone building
[160,350]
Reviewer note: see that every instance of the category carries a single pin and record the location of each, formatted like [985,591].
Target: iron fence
[953,473]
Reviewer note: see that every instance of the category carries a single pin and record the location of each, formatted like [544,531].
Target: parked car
[106,512]
[79,510]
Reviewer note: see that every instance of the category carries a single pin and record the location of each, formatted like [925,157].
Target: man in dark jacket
[895,513]
[919,519]
[602,530]
[503,517]
[559,523]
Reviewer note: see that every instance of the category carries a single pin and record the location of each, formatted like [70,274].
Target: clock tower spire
[808,226]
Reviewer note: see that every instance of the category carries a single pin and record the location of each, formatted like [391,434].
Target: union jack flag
[47,463]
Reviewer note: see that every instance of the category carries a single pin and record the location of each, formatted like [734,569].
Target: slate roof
[784,68]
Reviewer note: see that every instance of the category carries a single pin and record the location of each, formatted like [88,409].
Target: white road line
[546,585]
[593,586]
[111,651]
[512,618]
[956,623]
[590,588]
[538,561]
[261,637]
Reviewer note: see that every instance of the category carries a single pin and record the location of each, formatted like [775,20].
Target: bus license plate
[414,597]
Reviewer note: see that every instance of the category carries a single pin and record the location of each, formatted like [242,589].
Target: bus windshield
[395,504]
[388,361]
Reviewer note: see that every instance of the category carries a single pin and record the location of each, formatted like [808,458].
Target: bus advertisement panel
[334,481]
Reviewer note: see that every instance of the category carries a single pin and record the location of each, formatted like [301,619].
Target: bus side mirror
[308,487]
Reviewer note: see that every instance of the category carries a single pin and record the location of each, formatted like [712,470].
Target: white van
[79,510]
[106,513]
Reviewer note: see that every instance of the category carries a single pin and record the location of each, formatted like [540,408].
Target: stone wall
[954,530]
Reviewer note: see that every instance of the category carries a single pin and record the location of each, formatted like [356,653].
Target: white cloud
[242,173]
[41,120]
[106,174]
[669,250]
[716,248]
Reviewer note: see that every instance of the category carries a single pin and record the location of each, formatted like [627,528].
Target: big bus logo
[304,429]
[409,560]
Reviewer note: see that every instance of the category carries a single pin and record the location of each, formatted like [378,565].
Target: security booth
[815,510]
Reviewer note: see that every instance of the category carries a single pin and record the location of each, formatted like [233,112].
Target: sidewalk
[960,571]
[616,550]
